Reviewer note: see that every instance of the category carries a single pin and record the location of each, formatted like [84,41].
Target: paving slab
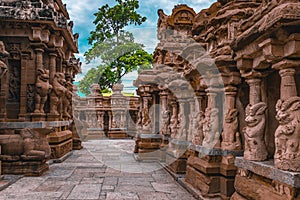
[86,175]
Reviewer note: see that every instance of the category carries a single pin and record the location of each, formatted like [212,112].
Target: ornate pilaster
[231,139]
[287,139]
[255,147]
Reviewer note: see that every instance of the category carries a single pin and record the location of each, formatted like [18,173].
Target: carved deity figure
[67,99]
[211,131]
[139,120]
[255,147]
[173,125]
[146,121]
[231,139]
[181,126]
[43,88]
[3,66]
[165,123]
[287,135]
[58,92]
[198,128]
[24,10]
[116,123]
[162,24]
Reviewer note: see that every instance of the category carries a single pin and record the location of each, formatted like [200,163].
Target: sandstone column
[194,109]
[230,136]
[255,147]
[287,135]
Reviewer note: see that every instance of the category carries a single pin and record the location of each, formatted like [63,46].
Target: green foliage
[111,20]
[116,48]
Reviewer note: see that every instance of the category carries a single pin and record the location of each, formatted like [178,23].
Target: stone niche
[38,67]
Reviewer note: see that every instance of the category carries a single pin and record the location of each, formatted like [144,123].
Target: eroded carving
[211,128]
[230,136]
[58,92]
[287,135]
[255,147]
[43,88]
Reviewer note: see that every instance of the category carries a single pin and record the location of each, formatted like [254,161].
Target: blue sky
[81,12]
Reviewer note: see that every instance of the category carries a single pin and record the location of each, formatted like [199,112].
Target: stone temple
[220,108]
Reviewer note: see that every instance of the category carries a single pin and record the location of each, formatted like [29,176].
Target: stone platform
[103,169]
[258,180]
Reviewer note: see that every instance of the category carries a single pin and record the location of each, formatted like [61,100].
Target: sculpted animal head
[286,109]
[255,113]
[43,75]
[231,115]
[60,78]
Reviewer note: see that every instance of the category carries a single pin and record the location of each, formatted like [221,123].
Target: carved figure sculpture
[231,139]
[211,128]
[43,88]
[3,53]
[162,24]
[36,146]
[198,128]
[165,122]
[173,125]
[287,135]
[26,144]
[255,147]
[181,127]
[67,99]
[146,121]
[58,92]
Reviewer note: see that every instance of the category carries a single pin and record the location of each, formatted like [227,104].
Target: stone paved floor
[94,173]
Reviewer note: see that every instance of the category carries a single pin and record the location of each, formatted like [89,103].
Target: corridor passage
[103,169]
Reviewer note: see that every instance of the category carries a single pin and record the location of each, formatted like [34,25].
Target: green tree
[116,48]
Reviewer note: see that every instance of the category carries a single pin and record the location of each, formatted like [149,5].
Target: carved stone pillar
[23,87]
[174,119]
[39,58]
[255,147]
[53,115]
[198,115]
[146,121]
[182,121]
[231,139]
[42,87]
[287,135]
[164,113]
[193,118]
[211,122]
[100,117]
[52,65]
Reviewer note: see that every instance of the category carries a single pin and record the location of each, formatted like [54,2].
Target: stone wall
[225,84]
[99,116]
[38,67]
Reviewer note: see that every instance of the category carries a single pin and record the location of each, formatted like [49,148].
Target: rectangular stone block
[149,154]
[203,165]
[226,186]
[149,145]
[61,149]
[58,137]
[258,187]
[26,168]
[117,134]
[176,165]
